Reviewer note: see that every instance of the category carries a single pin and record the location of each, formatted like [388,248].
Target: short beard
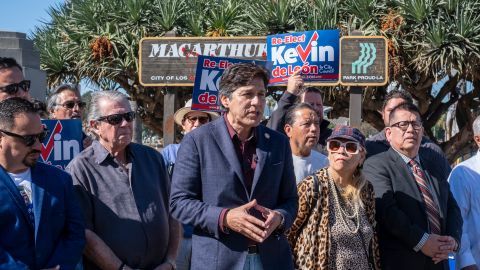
[26,161]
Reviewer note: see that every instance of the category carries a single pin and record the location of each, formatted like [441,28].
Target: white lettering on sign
[207,82]
[209,49]
[69,148]
[281,56]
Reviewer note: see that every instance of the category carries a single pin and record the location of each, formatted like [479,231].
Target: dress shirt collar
[407,159]
[101,153]
[234,134]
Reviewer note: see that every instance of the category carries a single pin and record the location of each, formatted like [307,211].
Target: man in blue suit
[234,182]
[41,226]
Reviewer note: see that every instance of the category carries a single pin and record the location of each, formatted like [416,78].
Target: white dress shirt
[465,185]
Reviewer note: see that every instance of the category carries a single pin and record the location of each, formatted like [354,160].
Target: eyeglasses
[201,119]
[115,119]
[403,125]
[29,140]
[13,88]
[350,147]
[71,104]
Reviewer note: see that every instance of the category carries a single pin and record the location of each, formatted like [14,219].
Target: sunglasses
[334,146]
[29,140]
[71,104]
[403,125]
[13,88]
[201,119]
[115,119]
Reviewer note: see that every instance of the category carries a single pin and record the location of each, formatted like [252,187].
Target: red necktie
[430,205]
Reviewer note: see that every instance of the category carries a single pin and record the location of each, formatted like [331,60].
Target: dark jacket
[401,215]
[378,143]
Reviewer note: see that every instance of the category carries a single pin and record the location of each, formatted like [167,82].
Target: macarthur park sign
[172,61]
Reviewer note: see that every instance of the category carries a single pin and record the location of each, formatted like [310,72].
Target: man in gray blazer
[234,182]
[418,219]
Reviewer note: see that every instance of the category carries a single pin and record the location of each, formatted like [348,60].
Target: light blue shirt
[465,185]
[169,154]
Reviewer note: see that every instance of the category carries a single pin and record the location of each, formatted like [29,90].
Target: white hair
[95,110]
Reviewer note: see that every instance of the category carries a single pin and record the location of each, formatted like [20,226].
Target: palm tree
[429,41]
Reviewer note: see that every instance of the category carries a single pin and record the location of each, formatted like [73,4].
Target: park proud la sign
[363,61]
[172,61]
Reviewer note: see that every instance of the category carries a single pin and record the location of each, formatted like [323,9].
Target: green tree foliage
[429,40]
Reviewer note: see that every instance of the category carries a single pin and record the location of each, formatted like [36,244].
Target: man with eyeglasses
[12,82]
[234,182]
[66,103]
[302,126]
[378,143]
[189,120]
[418,218]
[123,189]
[41,225]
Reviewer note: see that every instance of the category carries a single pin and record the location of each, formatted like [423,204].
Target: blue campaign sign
[207,80]
[63,143]
[316,53]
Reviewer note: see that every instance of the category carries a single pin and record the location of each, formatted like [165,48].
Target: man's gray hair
[476,126]
[54,99]
[95,110]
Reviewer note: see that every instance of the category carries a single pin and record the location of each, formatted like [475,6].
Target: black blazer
[401,215]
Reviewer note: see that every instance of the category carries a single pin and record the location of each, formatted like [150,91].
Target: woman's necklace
[343,213]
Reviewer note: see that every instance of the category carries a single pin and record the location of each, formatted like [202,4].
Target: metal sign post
[168,109]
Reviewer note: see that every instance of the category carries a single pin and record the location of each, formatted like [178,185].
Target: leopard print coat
[309,235]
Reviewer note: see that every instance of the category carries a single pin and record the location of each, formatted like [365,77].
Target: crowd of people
[233,194]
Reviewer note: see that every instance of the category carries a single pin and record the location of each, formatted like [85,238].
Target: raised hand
[295,83]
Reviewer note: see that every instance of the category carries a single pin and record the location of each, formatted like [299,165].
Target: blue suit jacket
[208,178]
[58,237]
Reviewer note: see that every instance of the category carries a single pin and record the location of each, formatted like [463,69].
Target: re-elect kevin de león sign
[63,143]
[316,53]
[207,79]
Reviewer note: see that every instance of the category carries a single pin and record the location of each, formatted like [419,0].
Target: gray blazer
[208,178]
[401,215]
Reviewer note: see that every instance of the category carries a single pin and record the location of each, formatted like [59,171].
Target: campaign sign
[316,53]
[63,143]
[207,79]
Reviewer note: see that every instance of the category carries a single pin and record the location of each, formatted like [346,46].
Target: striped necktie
[430,205]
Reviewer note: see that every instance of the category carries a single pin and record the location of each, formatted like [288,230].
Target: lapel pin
[267,136]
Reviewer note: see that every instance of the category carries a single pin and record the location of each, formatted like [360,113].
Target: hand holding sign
[295,83]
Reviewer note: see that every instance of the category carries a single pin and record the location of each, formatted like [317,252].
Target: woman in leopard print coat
[335,223]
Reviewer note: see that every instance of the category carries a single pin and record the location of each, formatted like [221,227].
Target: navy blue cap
[349,133]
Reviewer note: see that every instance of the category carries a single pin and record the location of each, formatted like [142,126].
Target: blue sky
[24,15]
